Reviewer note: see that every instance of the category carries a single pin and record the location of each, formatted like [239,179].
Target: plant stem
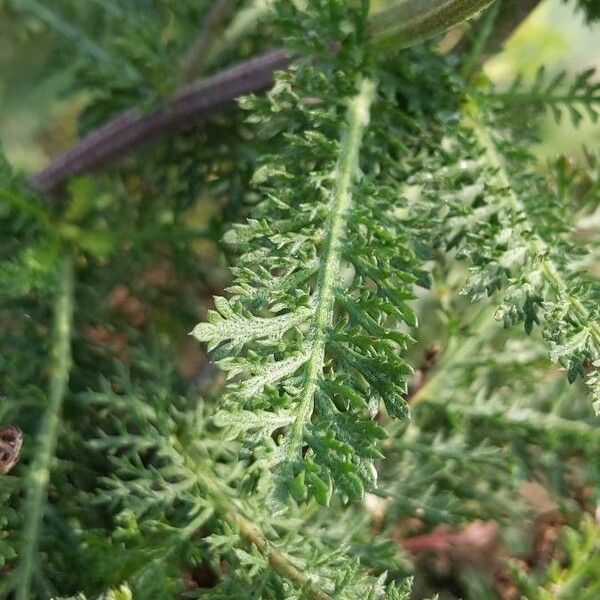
[346,172]
[506,27]
[410,22]
[503,28]
[528,419]
[133,129]
[277,561]
[227,508]
[45,446]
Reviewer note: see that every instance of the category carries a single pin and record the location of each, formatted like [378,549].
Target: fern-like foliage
[501,398]
[378,175]
[571,576]
[191,487]
[122,593]
[310,333]
[117,57]
[578,98]
[24,266]
[501,217]
[8,522]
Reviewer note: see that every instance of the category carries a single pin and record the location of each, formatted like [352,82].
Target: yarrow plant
[389,297]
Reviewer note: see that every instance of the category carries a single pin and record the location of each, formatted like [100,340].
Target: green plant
[386,201]
[574,575]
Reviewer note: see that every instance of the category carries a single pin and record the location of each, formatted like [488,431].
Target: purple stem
[185,109]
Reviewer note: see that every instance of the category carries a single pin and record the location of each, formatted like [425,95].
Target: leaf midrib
[345,173]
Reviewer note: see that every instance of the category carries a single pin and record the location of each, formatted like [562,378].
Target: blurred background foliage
[557,36]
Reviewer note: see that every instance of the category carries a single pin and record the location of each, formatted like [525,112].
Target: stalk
[411,21]
[45,446]
[252,533]
[277,561]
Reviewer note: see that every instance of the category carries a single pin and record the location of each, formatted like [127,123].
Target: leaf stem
[345,173]
[277,561]
[252,533]
[39,473]
[133,129]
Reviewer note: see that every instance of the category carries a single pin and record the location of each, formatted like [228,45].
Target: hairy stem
[133,129]
[39,473]
[346,172]
[277,561]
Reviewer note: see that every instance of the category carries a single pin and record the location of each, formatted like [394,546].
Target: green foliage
[387,202]
[123,593]
[325,273]
[574,576]
[500,215]
[579,98]
[114,44]
[158,510]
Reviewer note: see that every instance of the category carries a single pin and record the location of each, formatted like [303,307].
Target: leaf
[324,250]
[225,325]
